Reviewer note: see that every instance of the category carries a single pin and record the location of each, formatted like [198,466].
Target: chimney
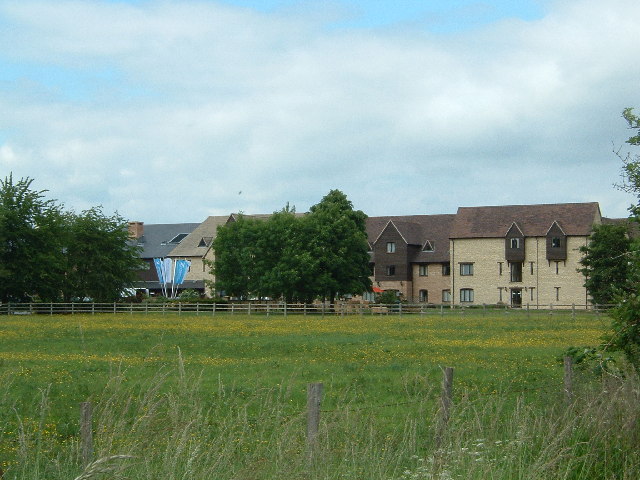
[136,229]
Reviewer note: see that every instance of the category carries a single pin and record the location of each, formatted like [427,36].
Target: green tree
[321,254]
[31,243]
[606,262]
[283,265]
[339,243]
[626,316]
[101,261]
[235,256]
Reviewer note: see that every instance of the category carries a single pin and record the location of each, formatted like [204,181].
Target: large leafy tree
[49,254]
[339,243]
[626,316]
[235,254]
[101,261]
[283,264]
[320,254]
[605,264]
[31,243]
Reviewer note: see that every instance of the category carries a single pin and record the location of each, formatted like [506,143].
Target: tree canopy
[49,254]
[606,262]
[626,315]
[321,254]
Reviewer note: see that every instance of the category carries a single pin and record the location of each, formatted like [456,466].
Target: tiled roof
[417,230]
[533,220]
[193,245]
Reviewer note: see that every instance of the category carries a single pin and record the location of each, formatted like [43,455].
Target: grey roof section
[156,237]
[198,243]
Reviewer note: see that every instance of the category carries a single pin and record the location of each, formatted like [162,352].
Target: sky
[170,111]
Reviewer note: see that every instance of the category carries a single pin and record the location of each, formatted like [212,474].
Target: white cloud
[201,101]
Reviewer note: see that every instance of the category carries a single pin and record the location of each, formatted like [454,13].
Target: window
[531,265]
[500,268]
[500,294]
[391,270]
[428,247]
[557,293]
[532,290]
[557,268]
[515,243]
[516,271]
[555,242]
[391,247]
[178,238]
[446,269]
[423,270]
[466,294]
[466,269]
[446,296]
[423,296]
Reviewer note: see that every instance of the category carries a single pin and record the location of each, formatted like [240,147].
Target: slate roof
[533,220]
[417,230]
[156,237]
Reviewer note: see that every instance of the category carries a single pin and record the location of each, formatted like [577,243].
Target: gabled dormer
[428,246]
[391,254]
[514,244]
[556,243]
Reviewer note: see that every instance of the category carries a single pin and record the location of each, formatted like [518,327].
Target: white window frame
[466,269]
[466,295]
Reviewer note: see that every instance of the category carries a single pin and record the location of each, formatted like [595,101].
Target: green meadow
[224,396]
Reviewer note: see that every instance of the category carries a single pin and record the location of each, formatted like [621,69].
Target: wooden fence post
[86,433]
[446,402]
[314,399]
[568,380]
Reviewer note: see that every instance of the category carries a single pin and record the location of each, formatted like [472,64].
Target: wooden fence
[275,308]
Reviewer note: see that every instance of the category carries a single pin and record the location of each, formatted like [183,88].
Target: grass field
[224,396]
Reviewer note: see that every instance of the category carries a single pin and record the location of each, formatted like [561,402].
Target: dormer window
[556,243]
[205,241]
[428,247]
[391,247]
[514,244]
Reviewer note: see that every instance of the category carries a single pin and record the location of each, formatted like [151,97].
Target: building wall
[399,259]
[569,281]
[434,283]
[541,283]
[403,286]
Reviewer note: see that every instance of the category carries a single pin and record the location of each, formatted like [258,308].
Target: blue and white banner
[167,270]
[159,268]
[181,269]
[171,273]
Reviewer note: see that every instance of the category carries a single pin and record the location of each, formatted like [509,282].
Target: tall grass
[161,429]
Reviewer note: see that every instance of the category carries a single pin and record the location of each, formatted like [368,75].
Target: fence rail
[279,308]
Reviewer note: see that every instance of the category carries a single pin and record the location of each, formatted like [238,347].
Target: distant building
[512,255]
